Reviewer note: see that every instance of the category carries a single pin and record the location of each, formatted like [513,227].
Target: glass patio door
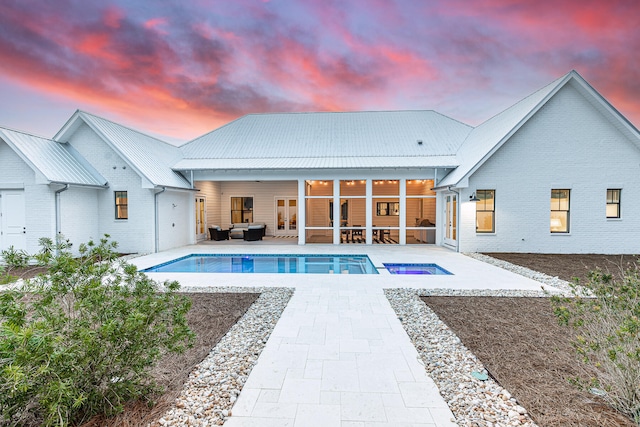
[450,219]
[201,221]
[286,216]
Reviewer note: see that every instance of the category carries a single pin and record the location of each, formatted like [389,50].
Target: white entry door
[201,218]
[13,227]
[286,216]
[450,219]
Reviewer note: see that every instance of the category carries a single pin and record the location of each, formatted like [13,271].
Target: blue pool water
[416,269]
[238,263]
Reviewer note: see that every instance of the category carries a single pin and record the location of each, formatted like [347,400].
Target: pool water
[240,263]
[416,269]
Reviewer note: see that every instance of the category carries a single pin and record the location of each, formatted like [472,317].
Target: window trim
[568,210]
[118,206]
[387,208]
[245,208]
[482,201]
[613,203]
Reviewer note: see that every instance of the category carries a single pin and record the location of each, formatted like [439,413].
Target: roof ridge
[26,133]
[126,127]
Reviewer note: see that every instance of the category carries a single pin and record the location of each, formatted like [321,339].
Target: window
[241,209]
[560,211]
[387,209]
[485,211]
[613,203]
[122,205]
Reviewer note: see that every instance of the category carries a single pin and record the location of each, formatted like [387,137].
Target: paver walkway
[339,357]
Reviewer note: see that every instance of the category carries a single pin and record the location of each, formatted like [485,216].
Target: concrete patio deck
[338,355]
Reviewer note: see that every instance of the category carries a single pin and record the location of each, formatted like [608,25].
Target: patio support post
[402,237]
[369,211]
[336,212]
[302,213]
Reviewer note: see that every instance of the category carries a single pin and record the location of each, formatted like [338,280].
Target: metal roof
[56,162]
[328,140]
[152,158]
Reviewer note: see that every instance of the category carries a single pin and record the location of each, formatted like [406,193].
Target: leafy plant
[607,325]
[82,339]
[12,259]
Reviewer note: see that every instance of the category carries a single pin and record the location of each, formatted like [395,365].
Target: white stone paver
[337,358]
[338,355]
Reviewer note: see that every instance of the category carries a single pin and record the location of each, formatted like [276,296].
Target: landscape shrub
[81,339]
[11,259]
[607,325]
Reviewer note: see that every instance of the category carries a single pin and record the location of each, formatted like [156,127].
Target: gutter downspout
[155,218]
[57,208]
[457,218]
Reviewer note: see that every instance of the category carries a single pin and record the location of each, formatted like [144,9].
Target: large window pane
[319,188]
[389,187]
[318,212]
[353,188]
[421,212]
[420,187]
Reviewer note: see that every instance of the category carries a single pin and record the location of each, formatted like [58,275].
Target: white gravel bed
[214,385]
[554,281]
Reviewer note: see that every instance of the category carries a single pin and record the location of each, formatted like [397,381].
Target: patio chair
[218,233]
[253,233]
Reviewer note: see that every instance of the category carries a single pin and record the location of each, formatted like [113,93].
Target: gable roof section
[150,157]
[487,138]
[57,163]
[328,140]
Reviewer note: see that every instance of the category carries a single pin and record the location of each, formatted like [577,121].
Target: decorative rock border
[214,385]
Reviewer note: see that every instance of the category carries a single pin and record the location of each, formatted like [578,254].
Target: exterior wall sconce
[473,198]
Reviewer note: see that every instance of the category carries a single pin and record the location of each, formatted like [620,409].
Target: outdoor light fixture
[473,198]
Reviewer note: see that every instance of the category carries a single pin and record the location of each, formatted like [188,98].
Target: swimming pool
[433,269]
[268,263]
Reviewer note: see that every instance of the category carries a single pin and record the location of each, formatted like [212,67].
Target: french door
[450,219]
[201,218]
[286,216]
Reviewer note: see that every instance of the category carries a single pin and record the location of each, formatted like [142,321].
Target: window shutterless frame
[613,203]
[121,205]
[559,211]
[485,211]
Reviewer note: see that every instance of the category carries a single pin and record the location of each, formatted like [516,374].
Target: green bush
[12,259]
[82,339]
[608,335]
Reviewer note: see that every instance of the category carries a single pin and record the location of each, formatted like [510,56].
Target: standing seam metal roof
[331,135]
[56,162]
[150,156]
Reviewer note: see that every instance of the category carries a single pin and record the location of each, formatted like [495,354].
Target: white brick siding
[568,144]
[39,201]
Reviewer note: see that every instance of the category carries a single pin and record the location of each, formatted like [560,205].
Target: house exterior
[557,172]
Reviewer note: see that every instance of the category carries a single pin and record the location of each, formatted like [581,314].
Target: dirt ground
[210,317]
[568,267]
[525,349]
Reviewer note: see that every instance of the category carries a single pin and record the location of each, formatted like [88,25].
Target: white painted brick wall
[567,144]
[39,202]
[135,234]
[174,214]
[78,215]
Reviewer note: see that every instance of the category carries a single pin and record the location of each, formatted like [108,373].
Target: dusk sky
[182,68]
